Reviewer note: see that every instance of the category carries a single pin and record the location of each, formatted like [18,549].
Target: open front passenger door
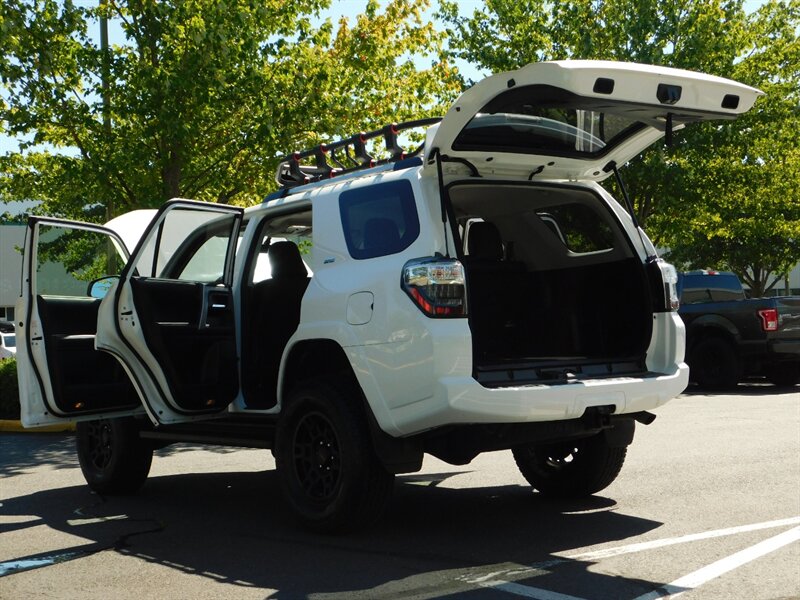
[66,267]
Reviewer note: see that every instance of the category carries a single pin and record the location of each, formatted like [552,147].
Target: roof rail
[354,156]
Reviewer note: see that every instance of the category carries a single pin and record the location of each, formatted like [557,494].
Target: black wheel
[783,374]
[714,364]
[113,458]
[572,469]
[328,470]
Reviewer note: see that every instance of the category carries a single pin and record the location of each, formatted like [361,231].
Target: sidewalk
[13,426]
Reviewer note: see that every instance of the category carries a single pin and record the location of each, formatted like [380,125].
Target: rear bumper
[460,400]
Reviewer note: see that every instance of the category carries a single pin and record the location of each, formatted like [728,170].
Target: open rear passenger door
[170,320]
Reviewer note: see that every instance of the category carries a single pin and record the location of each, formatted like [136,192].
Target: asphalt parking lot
[707,505]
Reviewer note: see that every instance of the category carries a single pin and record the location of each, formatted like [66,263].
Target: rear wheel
[714,364]
[328,470]
[572,469]
[113,458]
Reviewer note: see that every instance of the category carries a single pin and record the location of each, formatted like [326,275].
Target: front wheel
[572,469]
[327,467]
[113,458]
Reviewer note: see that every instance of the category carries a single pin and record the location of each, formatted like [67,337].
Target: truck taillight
[769,319]
[436,285]
[665,291]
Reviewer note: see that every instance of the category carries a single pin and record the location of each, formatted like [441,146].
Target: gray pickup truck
[730,337]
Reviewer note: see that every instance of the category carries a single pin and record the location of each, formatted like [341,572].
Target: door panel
[171,318]
[197,353]
[61,374]
[84,380]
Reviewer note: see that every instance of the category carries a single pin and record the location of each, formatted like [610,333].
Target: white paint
[628,549]
[697,578]
[674,589]
[527,591]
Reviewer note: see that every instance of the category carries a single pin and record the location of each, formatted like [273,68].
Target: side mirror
[99,287]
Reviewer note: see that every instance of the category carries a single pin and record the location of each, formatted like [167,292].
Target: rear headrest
[285,260]
[381,233]
[485,241]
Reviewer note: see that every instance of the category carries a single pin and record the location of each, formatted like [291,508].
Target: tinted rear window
[380,219]
[710,288]
[544,119]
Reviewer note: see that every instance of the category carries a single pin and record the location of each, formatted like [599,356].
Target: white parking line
[639,547]
[696,579]
[527,591]
[674,589]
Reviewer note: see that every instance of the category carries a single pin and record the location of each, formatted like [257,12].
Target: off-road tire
[714,365]
[573,469]
[327,467]
[113,458]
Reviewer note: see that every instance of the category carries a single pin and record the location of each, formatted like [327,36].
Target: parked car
[483,293]
[8,344]
[730,337]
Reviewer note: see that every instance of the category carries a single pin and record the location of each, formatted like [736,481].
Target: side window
[293,227]
[189,245]
[379,220]
[579,228]
[69,259]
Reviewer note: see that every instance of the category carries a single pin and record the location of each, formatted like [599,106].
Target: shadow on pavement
[749,388]
[434,542]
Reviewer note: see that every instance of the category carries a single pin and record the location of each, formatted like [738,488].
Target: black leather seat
[276,306]
[496,292]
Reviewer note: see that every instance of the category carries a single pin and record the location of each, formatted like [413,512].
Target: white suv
[483,293]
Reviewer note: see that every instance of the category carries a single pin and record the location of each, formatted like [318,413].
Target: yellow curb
[16,427]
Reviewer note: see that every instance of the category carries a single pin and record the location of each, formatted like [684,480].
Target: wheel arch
[323,358]
[709,326]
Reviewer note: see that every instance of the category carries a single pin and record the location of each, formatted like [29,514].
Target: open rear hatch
[572,119]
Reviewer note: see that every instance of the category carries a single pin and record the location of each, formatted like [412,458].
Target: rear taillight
[665,289]
[436,285]
[769,319]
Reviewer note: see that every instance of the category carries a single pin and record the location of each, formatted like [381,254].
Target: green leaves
[203,96]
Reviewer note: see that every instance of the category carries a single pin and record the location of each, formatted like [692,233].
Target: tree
[203,96]
[724,195]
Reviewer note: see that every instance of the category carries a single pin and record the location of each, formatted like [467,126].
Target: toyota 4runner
[483,292]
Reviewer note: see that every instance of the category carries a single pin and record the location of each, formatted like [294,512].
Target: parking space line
[640,546]
[674,589]
[697,578]
[526,591]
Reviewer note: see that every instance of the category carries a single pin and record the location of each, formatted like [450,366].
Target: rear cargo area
[554,288]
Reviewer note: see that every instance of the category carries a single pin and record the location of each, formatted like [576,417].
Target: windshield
[9,341]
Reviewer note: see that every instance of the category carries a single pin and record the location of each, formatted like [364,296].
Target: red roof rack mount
[347,155]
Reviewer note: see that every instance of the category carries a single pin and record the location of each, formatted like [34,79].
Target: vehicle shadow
[435,542]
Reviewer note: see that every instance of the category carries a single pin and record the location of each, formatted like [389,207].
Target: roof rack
[353,156]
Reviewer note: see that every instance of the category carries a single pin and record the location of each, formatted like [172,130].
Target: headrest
[484,241]
[285,260]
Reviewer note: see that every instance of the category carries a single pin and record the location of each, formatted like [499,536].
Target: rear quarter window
[379,220]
